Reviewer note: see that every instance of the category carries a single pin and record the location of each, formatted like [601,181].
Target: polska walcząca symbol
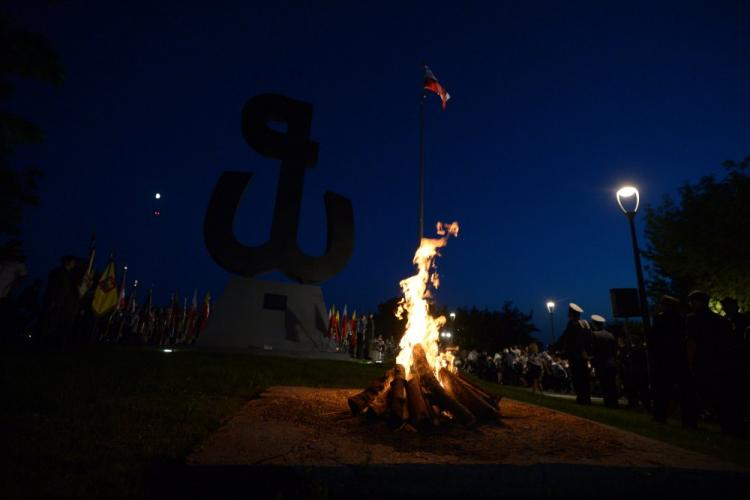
[296,152]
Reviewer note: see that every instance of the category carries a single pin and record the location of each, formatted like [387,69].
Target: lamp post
[629,200]
[551,311]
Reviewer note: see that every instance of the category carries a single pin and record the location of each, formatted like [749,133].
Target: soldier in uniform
[604,349]
[576,344]
[737,357]
[667,356]
[708,346]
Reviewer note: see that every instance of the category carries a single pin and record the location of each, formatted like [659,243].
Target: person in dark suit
[667,357]
[604,349]
[60,303]
[709,361]
[737,359]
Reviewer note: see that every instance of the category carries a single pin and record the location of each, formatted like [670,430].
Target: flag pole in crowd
[122,301]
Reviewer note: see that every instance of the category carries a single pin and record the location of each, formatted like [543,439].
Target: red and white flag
[431,83]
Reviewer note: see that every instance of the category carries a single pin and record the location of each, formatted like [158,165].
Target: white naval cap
[598,319]
[575,307]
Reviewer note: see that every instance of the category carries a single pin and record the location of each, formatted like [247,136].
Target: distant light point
[157,195]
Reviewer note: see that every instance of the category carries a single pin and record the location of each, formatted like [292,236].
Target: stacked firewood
[423,402]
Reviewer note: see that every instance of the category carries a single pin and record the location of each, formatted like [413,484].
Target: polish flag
[431,83]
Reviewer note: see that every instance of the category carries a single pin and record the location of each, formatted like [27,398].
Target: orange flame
[421,327]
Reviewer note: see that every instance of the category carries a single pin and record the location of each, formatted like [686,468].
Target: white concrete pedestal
[268,315]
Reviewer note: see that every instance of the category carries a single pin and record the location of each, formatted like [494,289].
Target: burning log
[491,399]
[398,396]
[436,394]
[419,411]
[359,402]
[467,396]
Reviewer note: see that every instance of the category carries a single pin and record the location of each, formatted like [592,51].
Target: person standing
[369,336]
[60,304]
[534,368]
[668,361]
[604,349]
[576,344]
[12,270]
[708,345]
[737,358]
[361,327]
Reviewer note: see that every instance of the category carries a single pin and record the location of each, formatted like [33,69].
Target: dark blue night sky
[553,107]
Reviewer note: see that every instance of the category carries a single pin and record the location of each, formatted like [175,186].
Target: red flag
[123,302]
[431,83]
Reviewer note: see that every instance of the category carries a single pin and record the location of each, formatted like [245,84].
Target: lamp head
[628,195]
[550,307]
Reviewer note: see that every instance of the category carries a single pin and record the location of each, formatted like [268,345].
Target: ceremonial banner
[105,295]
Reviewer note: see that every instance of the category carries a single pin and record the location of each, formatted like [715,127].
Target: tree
[702,240]
[493,330]
[29,56]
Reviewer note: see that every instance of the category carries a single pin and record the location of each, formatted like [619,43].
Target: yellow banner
[105,295]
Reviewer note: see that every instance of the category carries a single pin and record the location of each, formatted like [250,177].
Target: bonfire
[424,389]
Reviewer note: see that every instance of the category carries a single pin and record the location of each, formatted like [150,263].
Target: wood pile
[423,402]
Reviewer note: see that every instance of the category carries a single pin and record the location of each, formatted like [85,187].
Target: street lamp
[629,200]
[453,316]
[551,311]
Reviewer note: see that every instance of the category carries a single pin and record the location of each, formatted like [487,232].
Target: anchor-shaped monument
[265,314]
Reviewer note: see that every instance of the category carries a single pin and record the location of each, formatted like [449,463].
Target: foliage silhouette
[28,56]
[702,239]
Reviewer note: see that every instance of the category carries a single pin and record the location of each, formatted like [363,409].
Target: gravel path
[300,426]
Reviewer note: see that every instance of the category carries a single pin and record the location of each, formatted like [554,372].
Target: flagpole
[421,165]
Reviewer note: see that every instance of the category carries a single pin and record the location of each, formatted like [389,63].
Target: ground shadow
[441,481]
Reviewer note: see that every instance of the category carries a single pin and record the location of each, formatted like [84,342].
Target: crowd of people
[80,307]
[692,356]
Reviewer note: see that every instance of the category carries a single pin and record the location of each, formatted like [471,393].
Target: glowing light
[167,350]
[157,196]
[625,193]
[421,327]
[550,307]
[453,315]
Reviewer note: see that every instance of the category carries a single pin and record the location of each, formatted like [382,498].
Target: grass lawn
[87,424]
[707,439]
